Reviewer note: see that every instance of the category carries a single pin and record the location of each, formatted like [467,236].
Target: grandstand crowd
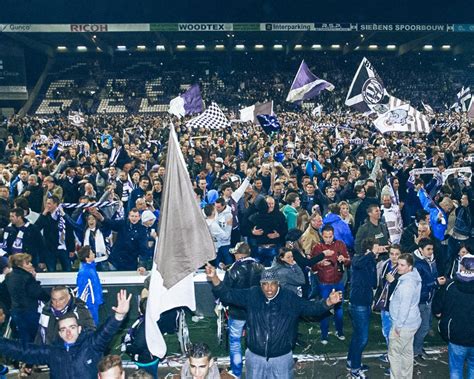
[326,205]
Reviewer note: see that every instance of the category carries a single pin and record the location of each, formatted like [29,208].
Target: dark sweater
[364,279]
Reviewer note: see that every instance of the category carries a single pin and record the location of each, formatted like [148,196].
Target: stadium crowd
[325,208]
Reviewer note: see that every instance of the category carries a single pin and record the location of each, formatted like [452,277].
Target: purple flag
[189,102]
[306,85]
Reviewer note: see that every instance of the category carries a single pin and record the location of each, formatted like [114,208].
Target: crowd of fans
[329,212]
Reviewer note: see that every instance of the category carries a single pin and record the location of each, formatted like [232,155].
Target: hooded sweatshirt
[404,310]
[291,215]
[223,219]
[342,231]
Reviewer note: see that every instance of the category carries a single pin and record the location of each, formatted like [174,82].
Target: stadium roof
[285,37]
[93,11]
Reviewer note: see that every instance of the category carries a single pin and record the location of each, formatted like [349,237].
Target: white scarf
[100,248]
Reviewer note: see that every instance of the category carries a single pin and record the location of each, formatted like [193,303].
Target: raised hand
[123,305]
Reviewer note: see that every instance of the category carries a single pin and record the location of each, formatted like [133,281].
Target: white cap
[148,216]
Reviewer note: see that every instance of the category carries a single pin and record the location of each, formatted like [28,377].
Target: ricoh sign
[94,28]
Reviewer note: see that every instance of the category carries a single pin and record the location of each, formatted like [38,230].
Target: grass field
[205,331]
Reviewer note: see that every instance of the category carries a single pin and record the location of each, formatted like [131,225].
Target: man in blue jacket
[272,315]
[78,353]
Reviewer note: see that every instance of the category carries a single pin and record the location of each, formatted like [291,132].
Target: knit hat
[466,274]
[212,196]
[293,235]
[269,275]
[148,216]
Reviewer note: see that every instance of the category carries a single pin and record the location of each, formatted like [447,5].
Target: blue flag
[269,123]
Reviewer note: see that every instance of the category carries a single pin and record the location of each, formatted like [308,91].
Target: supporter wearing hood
[342,231]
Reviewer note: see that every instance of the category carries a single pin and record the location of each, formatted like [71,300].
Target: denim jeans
[426,317]
[458,355]
[386,324]
[63,256]
[265,255]
[258,367]
[360,317]
[325,290]
[235,346]
[223,255]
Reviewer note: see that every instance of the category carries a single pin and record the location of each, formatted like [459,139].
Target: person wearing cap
[244,273]
[454,306]
[272,315]
[149,221]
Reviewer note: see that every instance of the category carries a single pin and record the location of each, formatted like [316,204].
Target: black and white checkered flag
[212,118]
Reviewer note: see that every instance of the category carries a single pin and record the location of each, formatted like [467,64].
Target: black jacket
[269,222]
[35,198]
[77,361]
[70,189]
[407,241]
[24,290]
[244,273]
[455,303]
[271,323]
[49,226]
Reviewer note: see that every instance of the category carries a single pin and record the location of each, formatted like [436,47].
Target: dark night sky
[67,11]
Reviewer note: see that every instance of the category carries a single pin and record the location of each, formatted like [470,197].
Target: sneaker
[383,358]
[358,374]
[386,372]
[362,368]
[324,342]
[340,337]
[418,360]
[424,354]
